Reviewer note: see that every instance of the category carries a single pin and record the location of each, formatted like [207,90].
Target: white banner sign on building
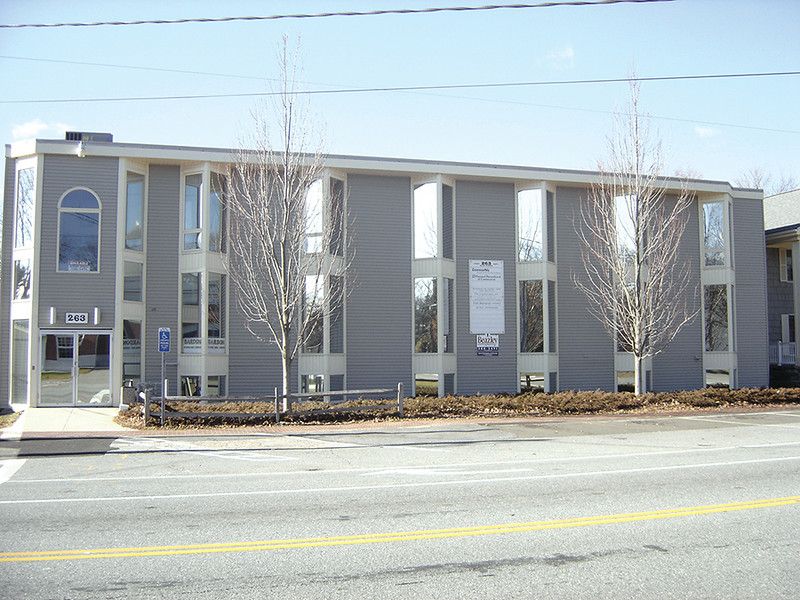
[486,297]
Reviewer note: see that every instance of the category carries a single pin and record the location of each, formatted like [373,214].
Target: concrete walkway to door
[64,420]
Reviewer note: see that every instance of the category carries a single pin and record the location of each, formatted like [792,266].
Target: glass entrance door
[56,370]
[75,369]
[94,375]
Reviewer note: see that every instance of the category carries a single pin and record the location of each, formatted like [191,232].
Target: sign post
[164,335]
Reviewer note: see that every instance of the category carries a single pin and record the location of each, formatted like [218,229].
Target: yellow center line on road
[383,538]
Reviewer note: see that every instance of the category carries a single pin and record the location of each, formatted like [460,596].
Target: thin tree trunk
[637,375]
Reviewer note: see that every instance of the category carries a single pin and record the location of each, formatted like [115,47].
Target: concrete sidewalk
[64,420]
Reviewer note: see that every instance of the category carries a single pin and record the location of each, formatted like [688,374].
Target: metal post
[147,399]
[780,353]
[163,372]
[163,397]
[400,399]
[277,412]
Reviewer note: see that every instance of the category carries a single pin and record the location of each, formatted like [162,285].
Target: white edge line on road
[390,486]
[407,468]
[9,467]
[741,423]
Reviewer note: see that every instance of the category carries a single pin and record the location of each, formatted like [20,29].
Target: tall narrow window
[551,227]
[713,234]
[425,315]
[716,318]
[79,232]
[786,267]
[787,329]
[337,217]
[447,314]
[134,212]
[190,313]
[314,209]
[336,314]
[19,361]
[216,313]
[426,231]
[314,305]
[531,316]
[132,285]
[216,214]
[23,215]
[22,279]
[529,225]
[192,195]
[447,221]
[132,350]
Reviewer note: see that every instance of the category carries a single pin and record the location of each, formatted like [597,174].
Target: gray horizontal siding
[680,365]
[379,319]
[751,293]
[78,292]
[780,295]
[585,350]
[162,271]
[6,279]
[485,223]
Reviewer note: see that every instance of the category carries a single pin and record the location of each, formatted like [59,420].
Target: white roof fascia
[373,165]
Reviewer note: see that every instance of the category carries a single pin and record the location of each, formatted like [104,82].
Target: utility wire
[135,67]
[367,13]
[451,96]
[408,88]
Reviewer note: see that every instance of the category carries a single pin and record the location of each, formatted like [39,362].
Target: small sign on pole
[163,348]
[163,339]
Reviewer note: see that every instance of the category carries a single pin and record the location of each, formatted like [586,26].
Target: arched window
[79,232]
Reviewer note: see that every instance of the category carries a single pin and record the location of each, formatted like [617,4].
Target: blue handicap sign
[163,339]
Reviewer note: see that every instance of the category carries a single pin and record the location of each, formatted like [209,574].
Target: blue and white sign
[163,339]
[487,344]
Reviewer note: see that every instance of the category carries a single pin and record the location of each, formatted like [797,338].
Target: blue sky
[559,126]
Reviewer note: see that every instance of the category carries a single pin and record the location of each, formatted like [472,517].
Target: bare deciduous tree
[630,230]
[758,178]
[286,243]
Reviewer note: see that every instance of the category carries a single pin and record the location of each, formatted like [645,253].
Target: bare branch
[286,244]
[630,231]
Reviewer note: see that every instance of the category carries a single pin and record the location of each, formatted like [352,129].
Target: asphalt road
[706,506]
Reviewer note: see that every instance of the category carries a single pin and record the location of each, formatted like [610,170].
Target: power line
[409,88]
[472,98]
[135,67]
[367,13]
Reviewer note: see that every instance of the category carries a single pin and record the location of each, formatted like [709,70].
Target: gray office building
[461,279]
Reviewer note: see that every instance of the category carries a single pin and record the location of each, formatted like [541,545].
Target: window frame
[98,211]
[542,191]
[198,231]
[727,262]
[786,266]
[143,176]
[15,220]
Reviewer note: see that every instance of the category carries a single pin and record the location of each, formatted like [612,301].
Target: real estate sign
[486,297]
[487,344]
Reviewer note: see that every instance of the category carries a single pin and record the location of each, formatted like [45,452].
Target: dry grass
[530,404]
[8,419]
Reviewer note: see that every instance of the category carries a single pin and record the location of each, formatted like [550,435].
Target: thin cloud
[705,132]
[561,58]
[38,128]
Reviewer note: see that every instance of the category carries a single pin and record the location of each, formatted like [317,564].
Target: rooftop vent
[88,136]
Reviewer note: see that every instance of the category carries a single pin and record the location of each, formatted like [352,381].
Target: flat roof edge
[356,162]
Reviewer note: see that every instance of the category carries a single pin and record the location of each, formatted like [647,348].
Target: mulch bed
[237,414]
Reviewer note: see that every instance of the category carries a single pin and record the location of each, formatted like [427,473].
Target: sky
[562,126]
